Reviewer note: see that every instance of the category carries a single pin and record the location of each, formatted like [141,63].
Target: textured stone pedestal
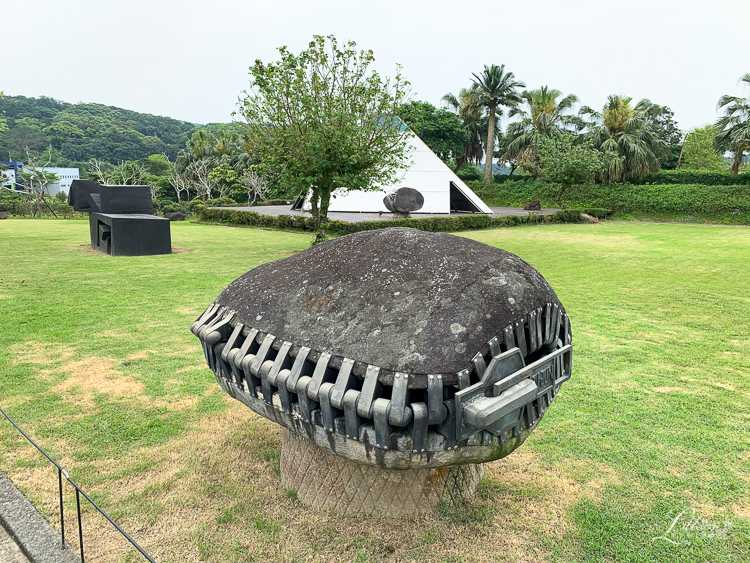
[327,481]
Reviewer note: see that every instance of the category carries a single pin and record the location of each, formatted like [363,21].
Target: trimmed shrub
[221,202]
[175,206]
[516,177]
[698,177]
[432,224]
[694,199]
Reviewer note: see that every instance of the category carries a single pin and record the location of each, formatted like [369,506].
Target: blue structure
[17,168]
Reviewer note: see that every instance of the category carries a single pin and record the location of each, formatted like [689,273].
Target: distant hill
[79,132]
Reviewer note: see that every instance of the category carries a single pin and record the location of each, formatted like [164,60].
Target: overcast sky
[189,59]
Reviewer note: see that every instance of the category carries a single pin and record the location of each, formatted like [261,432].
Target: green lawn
[98,364]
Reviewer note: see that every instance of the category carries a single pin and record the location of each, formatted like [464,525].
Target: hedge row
[702,177]
[432,224]
[693,199]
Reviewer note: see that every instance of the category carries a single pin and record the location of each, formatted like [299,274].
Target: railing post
[80,528]
[62,473]
[62,519]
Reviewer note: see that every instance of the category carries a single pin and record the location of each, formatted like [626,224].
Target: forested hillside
[79,132]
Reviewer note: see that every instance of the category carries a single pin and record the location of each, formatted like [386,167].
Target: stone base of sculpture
[327,481]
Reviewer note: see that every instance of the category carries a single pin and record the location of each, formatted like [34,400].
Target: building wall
[66,175]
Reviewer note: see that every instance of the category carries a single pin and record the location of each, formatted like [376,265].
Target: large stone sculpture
[397,361]
[403,201]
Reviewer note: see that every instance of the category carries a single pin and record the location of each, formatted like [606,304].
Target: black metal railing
[60,473]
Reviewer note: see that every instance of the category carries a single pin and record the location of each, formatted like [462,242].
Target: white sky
[188,59]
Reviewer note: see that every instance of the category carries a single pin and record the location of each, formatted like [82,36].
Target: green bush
[19,204]
[515,177]
[221,202]
[692,199]
[432,224]
[8,201]
[469,172]
[217,202]
[515,193]
[698,177]
[176,206]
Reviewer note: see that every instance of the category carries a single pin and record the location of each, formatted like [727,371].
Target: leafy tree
[560,159]
[626,131]
[661,119]
[215,145]
[326,120]
[733,127]
[156,164]
[440,129]
[700,152]
[227,181]
[492,89]
[475,125]
[543,116]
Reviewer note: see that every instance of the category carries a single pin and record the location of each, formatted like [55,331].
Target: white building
[443,191]
[66,177]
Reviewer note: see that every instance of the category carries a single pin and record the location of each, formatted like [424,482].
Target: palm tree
[474,124]
[734,126]
[542,116]
[492,89]
[625,131]
[197,147]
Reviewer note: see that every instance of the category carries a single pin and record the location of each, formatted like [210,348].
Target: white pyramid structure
[443,191]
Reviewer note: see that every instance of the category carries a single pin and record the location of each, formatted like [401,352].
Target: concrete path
[25,531]
[9,550]
[357,217]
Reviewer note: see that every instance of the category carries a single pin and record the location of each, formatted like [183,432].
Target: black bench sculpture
[397,361]
[121,219]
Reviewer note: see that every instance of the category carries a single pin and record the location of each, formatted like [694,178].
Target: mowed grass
[98,364]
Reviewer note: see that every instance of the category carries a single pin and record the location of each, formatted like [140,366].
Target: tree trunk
[321,214]
[314,199]
[490,148]
[460,161]
[735,169]
[679,160]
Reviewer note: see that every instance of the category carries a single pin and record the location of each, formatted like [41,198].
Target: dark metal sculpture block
[88,196]
[130,235]
[121,219]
